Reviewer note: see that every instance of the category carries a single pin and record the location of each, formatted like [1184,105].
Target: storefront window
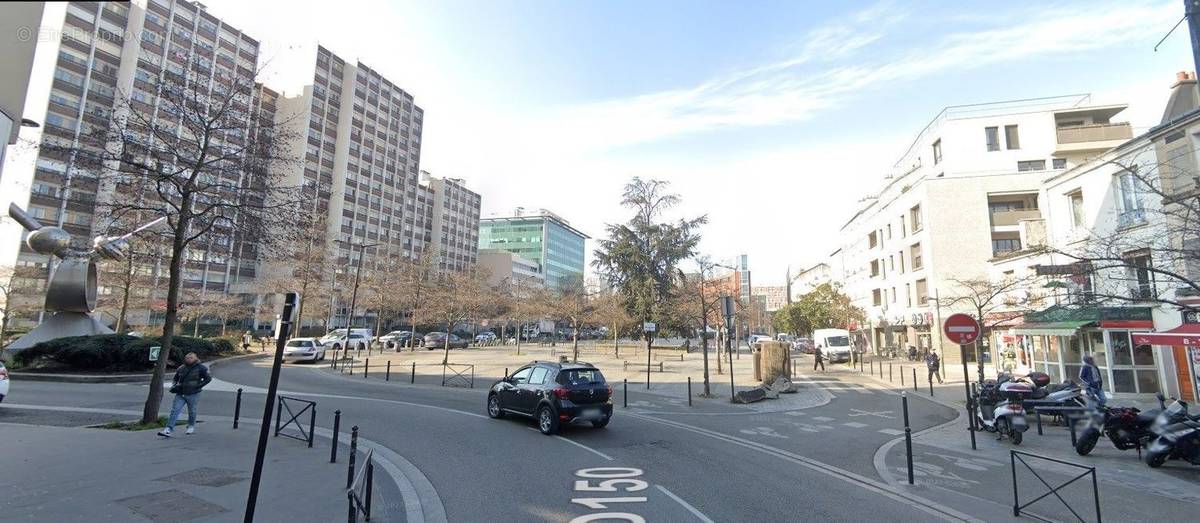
[1143,355]
[1134,367]
[1120,347]
[1097,348]
[1123,381]
[1055,346]
[1147,380]
[1074,352]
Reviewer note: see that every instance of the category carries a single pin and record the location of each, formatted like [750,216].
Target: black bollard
[907,436]
[890,372]
[914,376]
[931,386]
[625,399]
[237,408]
[337,424]
[689,391]
[901,377]
[353,454]
[413,374]
[387,373]
[366,365]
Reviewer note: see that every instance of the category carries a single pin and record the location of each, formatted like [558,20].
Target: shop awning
[1187,334]
[1055,328]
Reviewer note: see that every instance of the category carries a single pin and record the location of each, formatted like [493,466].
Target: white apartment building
[455,226]
[961,195]
[811,278]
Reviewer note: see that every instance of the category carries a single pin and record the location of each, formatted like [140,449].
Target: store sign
[1069,269]
[1190,316]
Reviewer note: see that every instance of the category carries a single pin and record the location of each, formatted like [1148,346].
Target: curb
[109,378]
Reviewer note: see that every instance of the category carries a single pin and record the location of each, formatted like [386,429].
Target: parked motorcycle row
[1166,433]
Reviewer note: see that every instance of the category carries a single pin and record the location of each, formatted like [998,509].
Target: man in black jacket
[189,379]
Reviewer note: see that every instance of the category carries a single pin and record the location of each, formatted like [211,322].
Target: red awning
[1187,334]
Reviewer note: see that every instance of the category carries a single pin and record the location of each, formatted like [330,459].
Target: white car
[303,349]
[3,382]
[359,339]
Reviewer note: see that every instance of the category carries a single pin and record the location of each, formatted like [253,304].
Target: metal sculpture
[71,294]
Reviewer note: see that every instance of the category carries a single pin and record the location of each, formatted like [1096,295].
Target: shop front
[1180,348]
[1055,341]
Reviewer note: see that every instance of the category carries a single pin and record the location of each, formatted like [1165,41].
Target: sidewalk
[81,474]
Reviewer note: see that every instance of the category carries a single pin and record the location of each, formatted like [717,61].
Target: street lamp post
[362,249]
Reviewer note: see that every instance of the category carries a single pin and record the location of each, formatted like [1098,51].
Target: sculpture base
[61,325]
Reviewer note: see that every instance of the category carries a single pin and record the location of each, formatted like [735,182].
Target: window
[872,240]
[877,297]
[874,267]
[1005,245]
[1011,140]
[914,217]
[1138,265]
[908,294]
[937,152]
[1031,165]
[893,295]
[889,231]
[914,253]
[900,256]
[1059,163]
[539,376]
[1075,199]
[903,230]
[922,292]
[992,134]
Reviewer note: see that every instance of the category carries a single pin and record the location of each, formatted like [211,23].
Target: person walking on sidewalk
[818,359]
[189,379]
[934,363]
[1090,376]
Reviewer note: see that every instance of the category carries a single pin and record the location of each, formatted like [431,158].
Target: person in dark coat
[818,359]
[189,379]
[1090,376]
[934,363]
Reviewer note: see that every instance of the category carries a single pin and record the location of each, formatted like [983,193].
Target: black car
[553,394]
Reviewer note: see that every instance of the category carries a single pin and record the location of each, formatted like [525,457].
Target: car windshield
[838,341]
[299,343]
[580,377]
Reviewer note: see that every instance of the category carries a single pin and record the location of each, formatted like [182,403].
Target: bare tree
[993,302]
[382,290]
[203,149]
[571,301]
[417,282]
[610,311]
[458,297]
[696,303]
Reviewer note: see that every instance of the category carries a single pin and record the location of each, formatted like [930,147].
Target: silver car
[303,349]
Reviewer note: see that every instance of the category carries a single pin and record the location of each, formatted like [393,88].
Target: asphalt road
[674,464]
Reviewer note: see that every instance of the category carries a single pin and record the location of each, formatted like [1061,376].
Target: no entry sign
[961,329]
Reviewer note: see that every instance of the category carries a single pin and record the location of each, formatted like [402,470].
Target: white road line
[695,512]
[580,445]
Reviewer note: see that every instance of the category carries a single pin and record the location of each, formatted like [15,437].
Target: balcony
[1013,218]
[1092,137]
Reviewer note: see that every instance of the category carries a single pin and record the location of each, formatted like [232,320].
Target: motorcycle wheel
[1087,441]
[1016,436]
[1156,459]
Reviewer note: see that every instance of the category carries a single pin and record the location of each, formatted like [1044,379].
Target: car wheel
[601,423]
[547,421]
[493,407]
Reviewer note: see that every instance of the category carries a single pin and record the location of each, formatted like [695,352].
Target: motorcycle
[1000,408]
[1126,427]
[1177,436]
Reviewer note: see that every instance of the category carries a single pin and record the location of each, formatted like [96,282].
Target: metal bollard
[931,386]
[366,366]
[625,399]
[505,372]
[902,377]
[237,408]
[914,370]
[971,422]
[689,391]
[353,454]
[413,374]
[387,373]
[337,425]
[890,372]
[370,480]
[312,425]
[907,435]
[1071,425]
[351,368]
[1038,415]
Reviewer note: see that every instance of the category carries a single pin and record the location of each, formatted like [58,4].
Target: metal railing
[283,404]
[358,494]
[458,376]
[1016,455]
[1095,133]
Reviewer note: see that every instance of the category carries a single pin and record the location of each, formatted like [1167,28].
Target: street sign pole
[727,309]
[285,323]
[963,330]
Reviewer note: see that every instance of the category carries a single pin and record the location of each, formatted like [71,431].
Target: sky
[773,118]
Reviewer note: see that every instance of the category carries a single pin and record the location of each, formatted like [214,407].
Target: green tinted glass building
[544,238]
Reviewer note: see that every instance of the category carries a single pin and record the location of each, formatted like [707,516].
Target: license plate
[591,414]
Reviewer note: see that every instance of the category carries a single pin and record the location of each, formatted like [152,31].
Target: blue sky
[773,117]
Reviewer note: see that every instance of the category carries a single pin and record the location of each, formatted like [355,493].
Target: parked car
[804,345]
[396,339]
[359,339]
[755,338]
[303,349]
[485,337]
[437,340]
[553,394]
[3,382]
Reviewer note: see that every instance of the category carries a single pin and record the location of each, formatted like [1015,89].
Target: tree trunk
[196,326]
[155,395]
[575,349]
[412,332]
[704,348]
[446,345]
[616,344]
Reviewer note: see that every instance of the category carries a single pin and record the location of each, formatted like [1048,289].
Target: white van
[834,344]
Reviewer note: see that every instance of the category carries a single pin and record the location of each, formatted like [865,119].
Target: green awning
[1054,328]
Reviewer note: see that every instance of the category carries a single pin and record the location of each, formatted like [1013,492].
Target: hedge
[114,352]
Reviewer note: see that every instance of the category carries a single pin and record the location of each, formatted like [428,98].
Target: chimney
[1183,76]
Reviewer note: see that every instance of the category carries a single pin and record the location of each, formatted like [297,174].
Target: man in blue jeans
[189,379]
[1090,376]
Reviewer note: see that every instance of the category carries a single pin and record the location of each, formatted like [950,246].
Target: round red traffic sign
[961,329]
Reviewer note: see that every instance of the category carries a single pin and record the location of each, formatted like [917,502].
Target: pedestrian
[189,379]
[247,338]
[1090,376]
[818,359]
[934,363]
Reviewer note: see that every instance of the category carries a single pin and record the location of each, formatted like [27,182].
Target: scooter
[1127,427]
[1000,409]
[1177,436]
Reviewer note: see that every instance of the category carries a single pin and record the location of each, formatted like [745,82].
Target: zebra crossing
[836,386]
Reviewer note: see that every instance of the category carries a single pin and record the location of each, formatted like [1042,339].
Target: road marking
[578,444]
[695,512]
[891,432]
[821,418]
[855,425]
[880,414]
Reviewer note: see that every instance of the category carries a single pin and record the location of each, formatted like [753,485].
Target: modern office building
[544,238]
[965,192]
[79,80]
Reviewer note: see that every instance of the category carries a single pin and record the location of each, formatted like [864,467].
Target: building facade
[544,238]
[115,57]
[965,192]
[504,267]
[455,227]
[774,296]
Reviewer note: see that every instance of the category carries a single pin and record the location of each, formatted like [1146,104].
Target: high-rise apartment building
[96,58]
[455,226]
[545,238]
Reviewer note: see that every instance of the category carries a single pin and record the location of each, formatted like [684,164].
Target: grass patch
[138,425]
